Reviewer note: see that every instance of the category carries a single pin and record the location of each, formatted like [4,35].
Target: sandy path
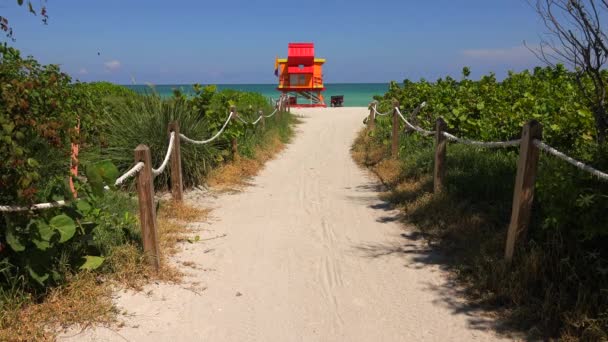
[310,254]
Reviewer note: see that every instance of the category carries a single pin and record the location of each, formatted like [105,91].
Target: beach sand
[310,254]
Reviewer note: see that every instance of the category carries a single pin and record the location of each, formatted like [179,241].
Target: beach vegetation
[555,286]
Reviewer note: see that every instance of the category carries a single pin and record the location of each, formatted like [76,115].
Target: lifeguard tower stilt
[301,76]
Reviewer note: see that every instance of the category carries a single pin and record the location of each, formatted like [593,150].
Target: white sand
[311,254]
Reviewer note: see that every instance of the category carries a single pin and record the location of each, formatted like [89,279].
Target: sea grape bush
[569,200]
[41,111]
[39,114]
[491,110]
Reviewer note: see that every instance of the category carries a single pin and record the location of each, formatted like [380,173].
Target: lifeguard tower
[301,76]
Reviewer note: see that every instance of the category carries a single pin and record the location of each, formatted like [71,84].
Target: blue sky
[236,41]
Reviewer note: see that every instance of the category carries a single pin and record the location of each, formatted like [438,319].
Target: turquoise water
[355,94]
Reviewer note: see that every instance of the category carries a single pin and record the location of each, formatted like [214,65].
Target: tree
[577,37]
[8,30]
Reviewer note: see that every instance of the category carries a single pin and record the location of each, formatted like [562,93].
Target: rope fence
[163,165]
[580,165]
[410,125]
[530,144]
[202,142]
[15,208]
[132,172]
[271,114]
[144,173]
[487,144]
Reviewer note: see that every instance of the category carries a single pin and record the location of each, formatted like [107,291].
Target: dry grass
[181,211]
[366,151]
[129,268]
[84,300]
[389,171]
[235,173]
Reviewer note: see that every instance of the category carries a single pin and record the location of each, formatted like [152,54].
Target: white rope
[135,169]
[271,114]
[15,208]
[241,120]
[258,120]
[541,145]
[162,166]
[202,142]
[49,205]
[378,113]
[488,144]
[416,128]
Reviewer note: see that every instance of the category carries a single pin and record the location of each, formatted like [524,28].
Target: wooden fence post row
[147,209]
[371,121]
[395,135]
[145,188]
[523,194]
[440,153]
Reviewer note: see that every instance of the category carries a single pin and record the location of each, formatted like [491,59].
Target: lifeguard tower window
[297,80]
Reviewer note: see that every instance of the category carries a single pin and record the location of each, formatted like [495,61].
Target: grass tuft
[84,300]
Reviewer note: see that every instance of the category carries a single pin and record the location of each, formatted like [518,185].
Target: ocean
[355,94]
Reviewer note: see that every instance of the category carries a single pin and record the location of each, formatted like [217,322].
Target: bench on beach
[337,100]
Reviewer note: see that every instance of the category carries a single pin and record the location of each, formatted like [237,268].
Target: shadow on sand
[418,252]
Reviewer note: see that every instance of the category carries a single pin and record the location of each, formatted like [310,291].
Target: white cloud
[112,65]
[83,71]
[512,54]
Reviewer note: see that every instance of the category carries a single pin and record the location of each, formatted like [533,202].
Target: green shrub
[557,279]
[146,122]
[40,110]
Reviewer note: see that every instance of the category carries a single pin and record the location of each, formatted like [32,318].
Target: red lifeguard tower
[301,76]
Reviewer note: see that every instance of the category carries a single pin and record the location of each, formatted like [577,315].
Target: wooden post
[262,119]
[371,120]
[523,194]
[147,209]
[177,187]
[235,144]
[395,135]
[440,152]
[280,107]
[288,105]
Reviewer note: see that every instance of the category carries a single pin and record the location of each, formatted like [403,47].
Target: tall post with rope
[371,120]
[440,153]
[235,144]
[177,186]
[147,209]
[395,135]
[523,194]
